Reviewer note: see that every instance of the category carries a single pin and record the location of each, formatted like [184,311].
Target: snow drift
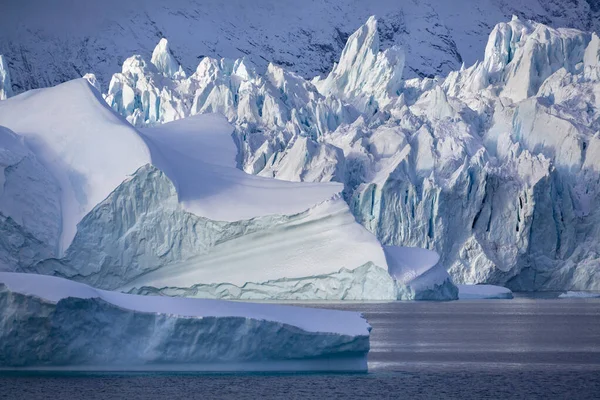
[86,328]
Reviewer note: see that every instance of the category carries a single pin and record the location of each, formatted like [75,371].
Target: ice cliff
[92,329]
[494,166]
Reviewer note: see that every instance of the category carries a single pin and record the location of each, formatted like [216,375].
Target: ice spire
[591,59]
[364,75]
[164,61]
[5,83]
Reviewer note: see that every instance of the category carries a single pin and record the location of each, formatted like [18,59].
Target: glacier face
[85,328]
[97,36]
[494,166]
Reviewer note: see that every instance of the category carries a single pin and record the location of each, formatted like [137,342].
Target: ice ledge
[89,329]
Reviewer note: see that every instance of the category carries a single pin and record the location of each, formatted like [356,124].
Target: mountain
[49,43]
[494,166]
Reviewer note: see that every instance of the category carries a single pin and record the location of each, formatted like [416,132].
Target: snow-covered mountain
[494,166]
[47,43]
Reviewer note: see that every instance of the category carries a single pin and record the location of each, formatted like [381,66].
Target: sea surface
[525,348]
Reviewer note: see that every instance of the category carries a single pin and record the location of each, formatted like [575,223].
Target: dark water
[495,349]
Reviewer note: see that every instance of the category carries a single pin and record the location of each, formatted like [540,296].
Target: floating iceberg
[53,323]
[470,292]
[164,210]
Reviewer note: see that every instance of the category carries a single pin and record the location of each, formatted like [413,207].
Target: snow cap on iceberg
[164,61]
[365,76]
[5,83]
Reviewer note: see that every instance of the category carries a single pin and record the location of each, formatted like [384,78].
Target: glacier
[494,166]
[165,210]
[89,329]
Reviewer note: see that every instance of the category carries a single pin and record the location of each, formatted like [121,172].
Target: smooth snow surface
[198,155]
[86,328]
[87,148]
[469,292]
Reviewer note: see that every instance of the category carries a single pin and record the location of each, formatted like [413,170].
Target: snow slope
[87,148]
[89,328]
[50,44]
[494,166]
[199,156]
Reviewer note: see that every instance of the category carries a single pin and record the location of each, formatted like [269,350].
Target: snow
[54,289]
[76,137]
[109,330]
[471,292]
[198,155]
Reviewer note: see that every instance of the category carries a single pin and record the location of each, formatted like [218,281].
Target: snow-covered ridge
[96,329]
[494,167]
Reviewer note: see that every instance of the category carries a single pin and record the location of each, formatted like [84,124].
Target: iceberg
[53,323]
[165,210]
[472,292]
